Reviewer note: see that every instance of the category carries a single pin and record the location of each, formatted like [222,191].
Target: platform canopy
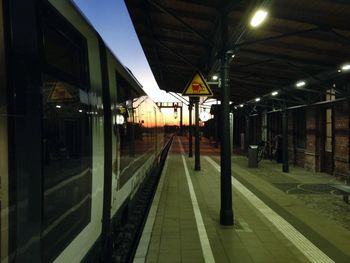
[300,40]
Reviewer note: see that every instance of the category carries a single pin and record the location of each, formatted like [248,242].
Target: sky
[111,19]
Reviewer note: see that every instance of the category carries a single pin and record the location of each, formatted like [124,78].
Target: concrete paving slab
[175,236]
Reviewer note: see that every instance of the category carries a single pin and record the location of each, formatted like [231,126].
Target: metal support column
[181,120]
[285,166]
[216,119]
[226,212]
[247,133]
[197,160]
[190,151]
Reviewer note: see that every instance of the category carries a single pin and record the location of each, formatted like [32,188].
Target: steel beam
[155,50]
[160,43]
[286,100]
[248,43]
[189,27]
[261,55]
[237,35]
[176,96]
[346,39]
[326,102]
[302,70]
[265,61]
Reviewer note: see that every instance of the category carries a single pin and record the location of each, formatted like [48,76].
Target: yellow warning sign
[60,93]
[197,87]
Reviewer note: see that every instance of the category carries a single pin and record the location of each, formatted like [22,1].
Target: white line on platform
[142,248]
[203,237]
[310,251]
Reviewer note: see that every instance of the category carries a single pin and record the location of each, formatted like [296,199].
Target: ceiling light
[346,67]
[235,107]
[257,99]
[215,77]
[339,70]
[233,55]
[258,18]
[80,110]
[241,105]
[58,106]
[274,93]
[300,84]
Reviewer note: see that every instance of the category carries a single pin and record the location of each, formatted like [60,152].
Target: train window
[135,131]
[4,197]
[63,48]
[67,163]
[67,138]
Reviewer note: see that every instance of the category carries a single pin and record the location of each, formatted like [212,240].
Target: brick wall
[310,158]
[341,137]
[312,155]
[299,151]
[299,157]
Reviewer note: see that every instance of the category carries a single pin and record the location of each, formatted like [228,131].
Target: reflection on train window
[63,48]
[67,164]
[4,189]
[133,121]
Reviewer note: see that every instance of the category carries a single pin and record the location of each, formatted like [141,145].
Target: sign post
[197,160]
[190,107]
[196,88]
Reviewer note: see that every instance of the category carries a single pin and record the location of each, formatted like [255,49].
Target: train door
[49,132]
[66,133]
[24,131]
[4,197]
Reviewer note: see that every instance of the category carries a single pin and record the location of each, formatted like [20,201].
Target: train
[78,135]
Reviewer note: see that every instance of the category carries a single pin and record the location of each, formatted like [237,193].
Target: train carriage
[78,135]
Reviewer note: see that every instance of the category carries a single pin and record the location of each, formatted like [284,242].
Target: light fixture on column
[345,67]
[258,18]
[300,84]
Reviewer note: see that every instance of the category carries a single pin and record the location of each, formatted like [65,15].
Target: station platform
[279,217]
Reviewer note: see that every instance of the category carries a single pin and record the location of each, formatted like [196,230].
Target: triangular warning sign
[60,93]
[197,87]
